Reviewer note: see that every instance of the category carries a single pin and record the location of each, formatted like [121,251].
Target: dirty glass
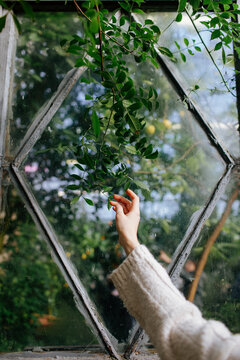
[40,66]
[180,182]
[219,244]
[36,304]
[216,104]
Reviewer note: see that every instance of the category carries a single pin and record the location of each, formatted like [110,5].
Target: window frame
[8,42]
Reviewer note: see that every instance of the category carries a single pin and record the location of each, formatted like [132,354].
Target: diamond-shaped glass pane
[219,244]
[215,102]
[181,180]
[40,66]
[36,304]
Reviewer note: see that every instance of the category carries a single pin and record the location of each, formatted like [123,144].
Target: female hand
[127,219]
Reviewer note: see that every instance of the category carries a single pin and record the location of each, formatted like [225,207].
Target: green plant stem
[209,53]
[79,10]
[109,120]
[100,40]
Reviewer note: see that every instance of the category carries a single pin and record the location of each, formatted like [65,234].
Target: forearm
[174,325]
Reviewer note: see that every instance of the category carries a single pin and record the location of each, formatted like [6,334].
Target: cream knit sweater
[175,326]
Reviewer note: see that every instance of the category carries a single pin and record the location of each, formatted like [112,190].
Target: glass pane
[36,305]
[40,66]
[180,180]
[217,105]
[220,242]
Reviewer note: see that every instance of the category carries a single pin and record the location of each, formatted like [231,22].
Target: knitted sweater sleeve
[174,325]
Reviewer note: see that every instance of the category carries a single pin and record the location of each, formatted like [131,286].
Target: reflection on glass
[180,182]
[216,258]
[217,105]
[36,305]
[40,66]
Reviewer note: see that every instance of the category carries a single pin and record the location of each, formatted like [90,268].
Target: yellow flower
[68,254]
[84,256]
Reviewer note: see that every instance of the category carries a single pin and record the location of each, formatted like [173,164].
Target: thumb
[118,208]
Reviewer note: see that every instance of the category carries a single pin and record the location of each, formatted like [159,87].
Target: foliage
[96,140]
[104,48]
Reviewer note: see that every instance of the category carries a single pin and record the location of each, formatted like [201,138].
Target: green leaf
[107,188]
[95,124]
[73,187]
[177,45]
[79,167]
[74,200]
[2,22]
[94,26]
[165,226]
[125,6]
[130,94]
[106,75]
[148,150]
[186,42]
[223,56]
[85,80]
[80,62]
[108,84]
[3,4]
[135,106]
[133,123]
[181,5]
[120,181]
[109,206]
[148,22]
[122,20]
[91,13]
[154,155]
[218,46]
[75,176]
[89,201]
[138,11]
[131,149]
[179,17]
[121,77]
[155,29]
[154,62]
[127,86]
[165,51]
[215,34]
[17,23]
[183,57]
[141,185]
[88,97]
[27,9]
[197,48]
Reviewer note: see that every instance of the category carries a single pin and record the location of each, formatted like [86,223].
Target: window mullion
[46,113]
[83,302]
[8,41]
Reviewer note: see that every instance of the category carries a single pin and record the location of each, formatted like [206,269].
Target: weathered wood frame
[40,122]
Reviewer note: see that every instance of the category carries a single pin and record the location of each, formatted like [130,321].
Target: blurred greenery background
[36,305]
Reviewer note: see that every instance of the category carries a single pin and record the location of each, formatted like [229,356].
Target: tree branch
[207,248]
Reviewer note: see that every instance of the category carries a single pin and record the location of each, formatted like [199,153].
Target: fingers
[134,198]
[125,210]
[123,200]
[119,208]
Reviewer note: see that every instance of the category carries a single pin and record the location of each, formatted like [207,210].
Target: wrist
[129,244]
